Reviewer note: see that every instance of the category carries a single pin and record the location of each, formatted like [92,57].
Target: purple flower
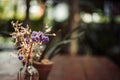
[35,36]
[34,33]
[45,39]
[40,35]
[20,57]
[27,41]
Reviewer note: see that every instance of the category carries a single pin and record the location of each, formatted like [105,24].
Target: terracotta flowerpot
[43,69]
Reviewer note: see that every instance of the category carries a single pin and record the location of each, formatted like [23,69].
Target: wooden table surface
[65,68]
[84,68]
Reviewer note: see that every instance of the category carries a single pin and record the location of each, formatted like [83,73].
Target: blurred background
[83,27]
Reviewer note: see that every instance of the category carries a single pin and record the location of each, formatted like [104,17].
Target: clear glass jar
[28,72]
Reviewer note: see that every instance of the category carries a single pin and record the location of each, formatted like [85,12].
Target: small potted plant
[29,45]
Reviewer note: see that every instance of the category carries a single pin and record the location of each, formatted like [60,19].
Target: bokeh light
[87,18]
[61,12]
